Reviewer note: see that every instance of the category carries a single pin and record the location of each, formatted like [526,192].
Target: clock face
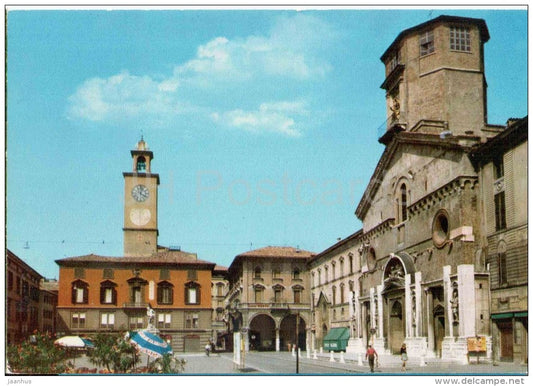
[140,216]
[140,193]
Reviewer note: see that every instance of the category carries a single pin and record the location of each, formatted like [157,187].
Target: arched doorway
[394,275]
[396,326]
[438,328]
[262,333]
[287,332]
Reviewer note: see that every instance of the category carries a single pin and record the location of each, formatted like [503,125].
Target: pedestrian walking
[372,356]
[403,354]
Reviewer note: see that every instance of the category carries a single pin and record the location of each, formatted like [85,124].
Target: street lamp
[297,343]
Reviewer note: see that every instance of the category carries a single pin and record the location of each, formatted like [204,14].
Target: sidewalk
[391,364]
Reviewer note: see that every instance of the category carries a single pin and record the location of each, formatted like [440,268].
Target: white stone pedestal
[416,346]
[379,346]
[455,349]
[355,346]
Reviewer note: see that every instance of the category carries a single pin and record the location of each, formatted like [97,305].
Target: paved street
[285,363]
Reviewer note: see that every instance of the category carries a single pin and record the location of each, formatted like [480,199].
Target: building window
[164,319]
[460,39]
[278,294]
[393,62]
[191,320]
[341,267]
[80,292]
[192,293]
[192,274]
[25,288]
[107,320]
[79,273]
[108,273]
[333,270]
[137,290]
[276,273]
[440,228]
[403,203]
[257,273]
[333,295]
[220,289]
[326,274]
[297,292]
[19,288]
[313,279]
[502,268]
[108,293]
[499,207]
[165,293]
[319,277]
[296,274]
[351,262]
[136,322]
[427,44]
[219,314]
[341,290]
[258,294]
[10,280]
[78,320]
[164,274]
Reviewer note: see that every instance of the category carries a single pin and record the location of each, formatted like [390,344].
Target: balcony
[135,305]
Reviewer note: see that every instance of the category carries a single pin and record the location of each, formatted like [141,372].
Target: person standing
[403,354]
[371,355]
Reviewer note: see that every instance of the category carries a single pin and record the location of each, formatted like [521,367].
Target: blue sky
[263,123]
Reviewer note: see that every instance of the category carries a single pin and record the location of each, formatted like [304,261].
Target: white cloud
[276,117]
[235,72]
[291,50]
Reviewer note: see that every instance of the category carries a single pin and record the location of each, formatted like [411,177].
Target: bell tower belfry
[140,204]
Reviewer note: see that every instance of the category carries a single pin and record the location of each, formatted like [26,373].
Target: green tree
[114,353]
[37,355]
[167,364]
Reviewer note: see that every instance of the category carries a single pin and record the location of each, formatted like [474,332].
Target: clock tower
[140,204]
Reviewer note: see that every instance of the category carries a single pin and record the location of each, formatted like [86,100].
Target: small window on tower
[427,44]
[141,164]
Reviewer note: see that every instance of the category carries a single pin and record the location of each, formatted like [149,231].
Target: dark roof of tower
[443,18]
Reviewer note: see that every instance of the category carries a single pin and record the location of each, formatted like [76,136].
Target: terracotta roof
[220,268]
[166,257]
[278,252]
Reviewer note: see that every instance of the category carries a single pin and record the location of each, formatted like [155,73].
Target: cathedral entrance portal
[439,329]
[396,326]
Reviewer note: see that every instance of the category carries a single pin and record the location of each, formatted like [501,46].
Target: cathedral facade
[423,275]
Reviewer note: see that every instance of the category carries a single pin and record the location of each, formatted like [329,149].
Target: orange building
[149,287]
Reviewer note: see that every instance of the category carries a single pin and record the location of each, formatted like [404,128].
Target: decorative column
[307,338]
[246,339]
[430,320]
[467,300]
[380,310]
[408,306]
[372,308]
[418,306]
[277,338]
[446,271]
[449,346]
